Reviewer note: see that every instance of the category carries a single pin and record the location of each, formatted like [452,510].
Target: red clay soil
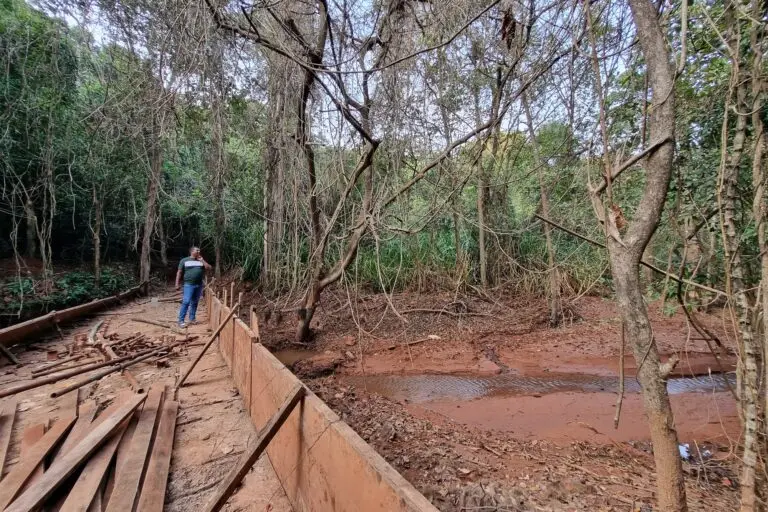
[530,451]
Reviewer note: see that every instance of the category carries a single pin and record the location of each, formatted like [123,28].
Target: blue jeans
[191,297]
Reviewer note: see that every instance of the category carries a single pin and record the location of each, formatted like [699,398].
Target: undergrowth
[23,297]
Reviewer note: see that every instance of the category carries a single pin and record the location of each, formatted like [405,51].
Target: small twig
[620,399]
[408,344]
[444,312]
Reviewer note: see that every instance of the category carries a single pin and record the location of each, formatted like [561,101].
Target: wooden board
[6,428]
[31,435]
[241,360]
[152,496]
[129,474]
[123,449]
[225,338]
[85,492]
[252,454]
[81,427]
[62,468]
[15,480]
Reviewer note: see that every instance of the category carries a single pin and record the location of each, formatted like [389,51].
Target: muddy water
[429,387]
[288,357]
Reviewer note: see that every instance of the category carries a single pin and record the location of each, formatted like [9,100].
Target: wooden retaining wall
[322,464]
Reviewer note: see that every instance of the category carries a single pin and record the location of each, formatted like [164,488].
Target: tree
[627,240]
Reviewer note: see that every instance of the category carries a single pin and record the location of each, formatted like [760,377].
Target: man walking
[192,269]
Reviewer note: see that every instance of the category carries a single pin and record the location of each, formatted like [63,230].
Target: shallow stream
[429,387]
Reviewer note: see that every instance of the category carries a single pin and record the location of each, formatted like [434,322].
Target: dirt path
[213,428]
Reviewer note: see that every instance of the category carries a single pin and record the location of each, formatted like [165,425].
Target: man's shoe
[182,325]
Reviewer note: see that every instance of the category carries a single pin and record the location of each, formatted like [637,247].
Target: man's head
[194,251]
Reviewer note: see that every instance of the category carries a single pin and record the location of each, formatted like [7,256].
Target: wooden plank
[85,492]
[80,429]
[106,413]
[129,475]
[96,504]
[123,449]
[31,435]
[62,468]
[252,454]
[152,496]
[15,480]
[6,428]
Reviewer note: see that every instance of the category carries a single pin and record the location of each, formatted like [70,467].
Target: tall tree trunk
[760,181]
[482,192]
[729,204]
[163,239]
[31,222]
[97,211]
[217,161]
[555,308]
[625,254]
[456,187]
[153,188]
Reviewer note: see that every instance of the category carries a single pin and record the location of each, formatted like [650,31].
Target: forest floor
[487,406]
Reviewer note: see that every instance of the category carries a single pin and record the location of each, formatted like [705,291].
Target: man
[192,268]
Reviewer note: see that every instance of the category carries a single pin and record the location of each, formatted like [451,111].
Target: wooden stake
[231,292]
[207,345]
[246,462]
[9,355]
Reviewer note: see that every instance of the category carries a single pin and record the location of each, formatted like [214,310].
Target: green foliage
[22,297]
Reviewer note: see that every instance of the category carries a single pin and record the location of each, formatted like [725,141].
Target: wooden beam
[62,468]
[6,428]
[152,496]
[129,475]
[210,341]
[21,472]
[252,454]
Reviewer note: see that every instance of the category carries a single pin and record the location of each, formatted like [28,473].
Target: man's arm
[205,264]
[178,279]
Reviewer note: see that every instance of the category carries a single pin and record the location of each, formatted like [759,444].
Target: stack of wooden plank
[92,458]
